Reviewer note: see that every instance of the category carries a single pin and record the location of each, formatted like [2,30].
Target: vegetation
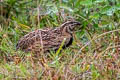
[94,54]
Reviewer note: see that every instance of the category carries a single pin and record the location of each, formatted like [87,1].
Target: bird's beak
[78,23]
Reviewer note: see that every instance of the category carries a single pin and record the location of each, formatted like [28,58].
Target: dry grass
[94,54]
[96,59]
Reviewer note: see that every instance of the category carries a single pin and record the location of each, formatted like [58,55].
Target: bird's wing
[55,40]
[42,39]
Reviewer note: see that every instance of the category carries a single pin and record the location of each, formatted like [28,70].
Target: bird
[45,40]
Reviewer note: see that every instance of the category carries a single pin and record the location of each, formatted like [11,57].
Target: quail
[50,39]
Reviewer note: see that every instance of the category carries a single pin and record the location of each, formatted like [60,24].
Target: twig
[90,42]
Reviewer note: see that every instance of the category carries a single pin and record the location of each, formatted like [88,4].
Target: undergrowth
[93,55]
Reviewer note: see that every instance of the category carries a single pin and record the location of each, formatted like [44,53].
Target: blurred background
[94,54]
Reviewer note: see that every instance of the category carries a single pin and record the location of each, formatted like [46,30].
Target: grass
[94,54]
[95,60]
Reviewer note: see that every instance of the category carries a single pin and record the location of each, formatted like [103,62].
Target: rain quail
[50,39]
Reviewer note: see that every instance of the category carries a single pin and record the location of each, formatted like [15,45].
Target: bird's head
[70,26]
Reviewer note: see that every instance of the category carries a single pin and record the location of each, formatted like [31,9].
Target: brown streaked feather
[49,39]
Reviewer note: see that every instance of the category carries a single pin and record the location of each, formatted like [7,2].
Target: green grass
[94,54]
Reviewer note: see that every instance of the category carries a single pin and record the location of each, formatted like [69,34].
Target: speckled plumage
[50,39]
